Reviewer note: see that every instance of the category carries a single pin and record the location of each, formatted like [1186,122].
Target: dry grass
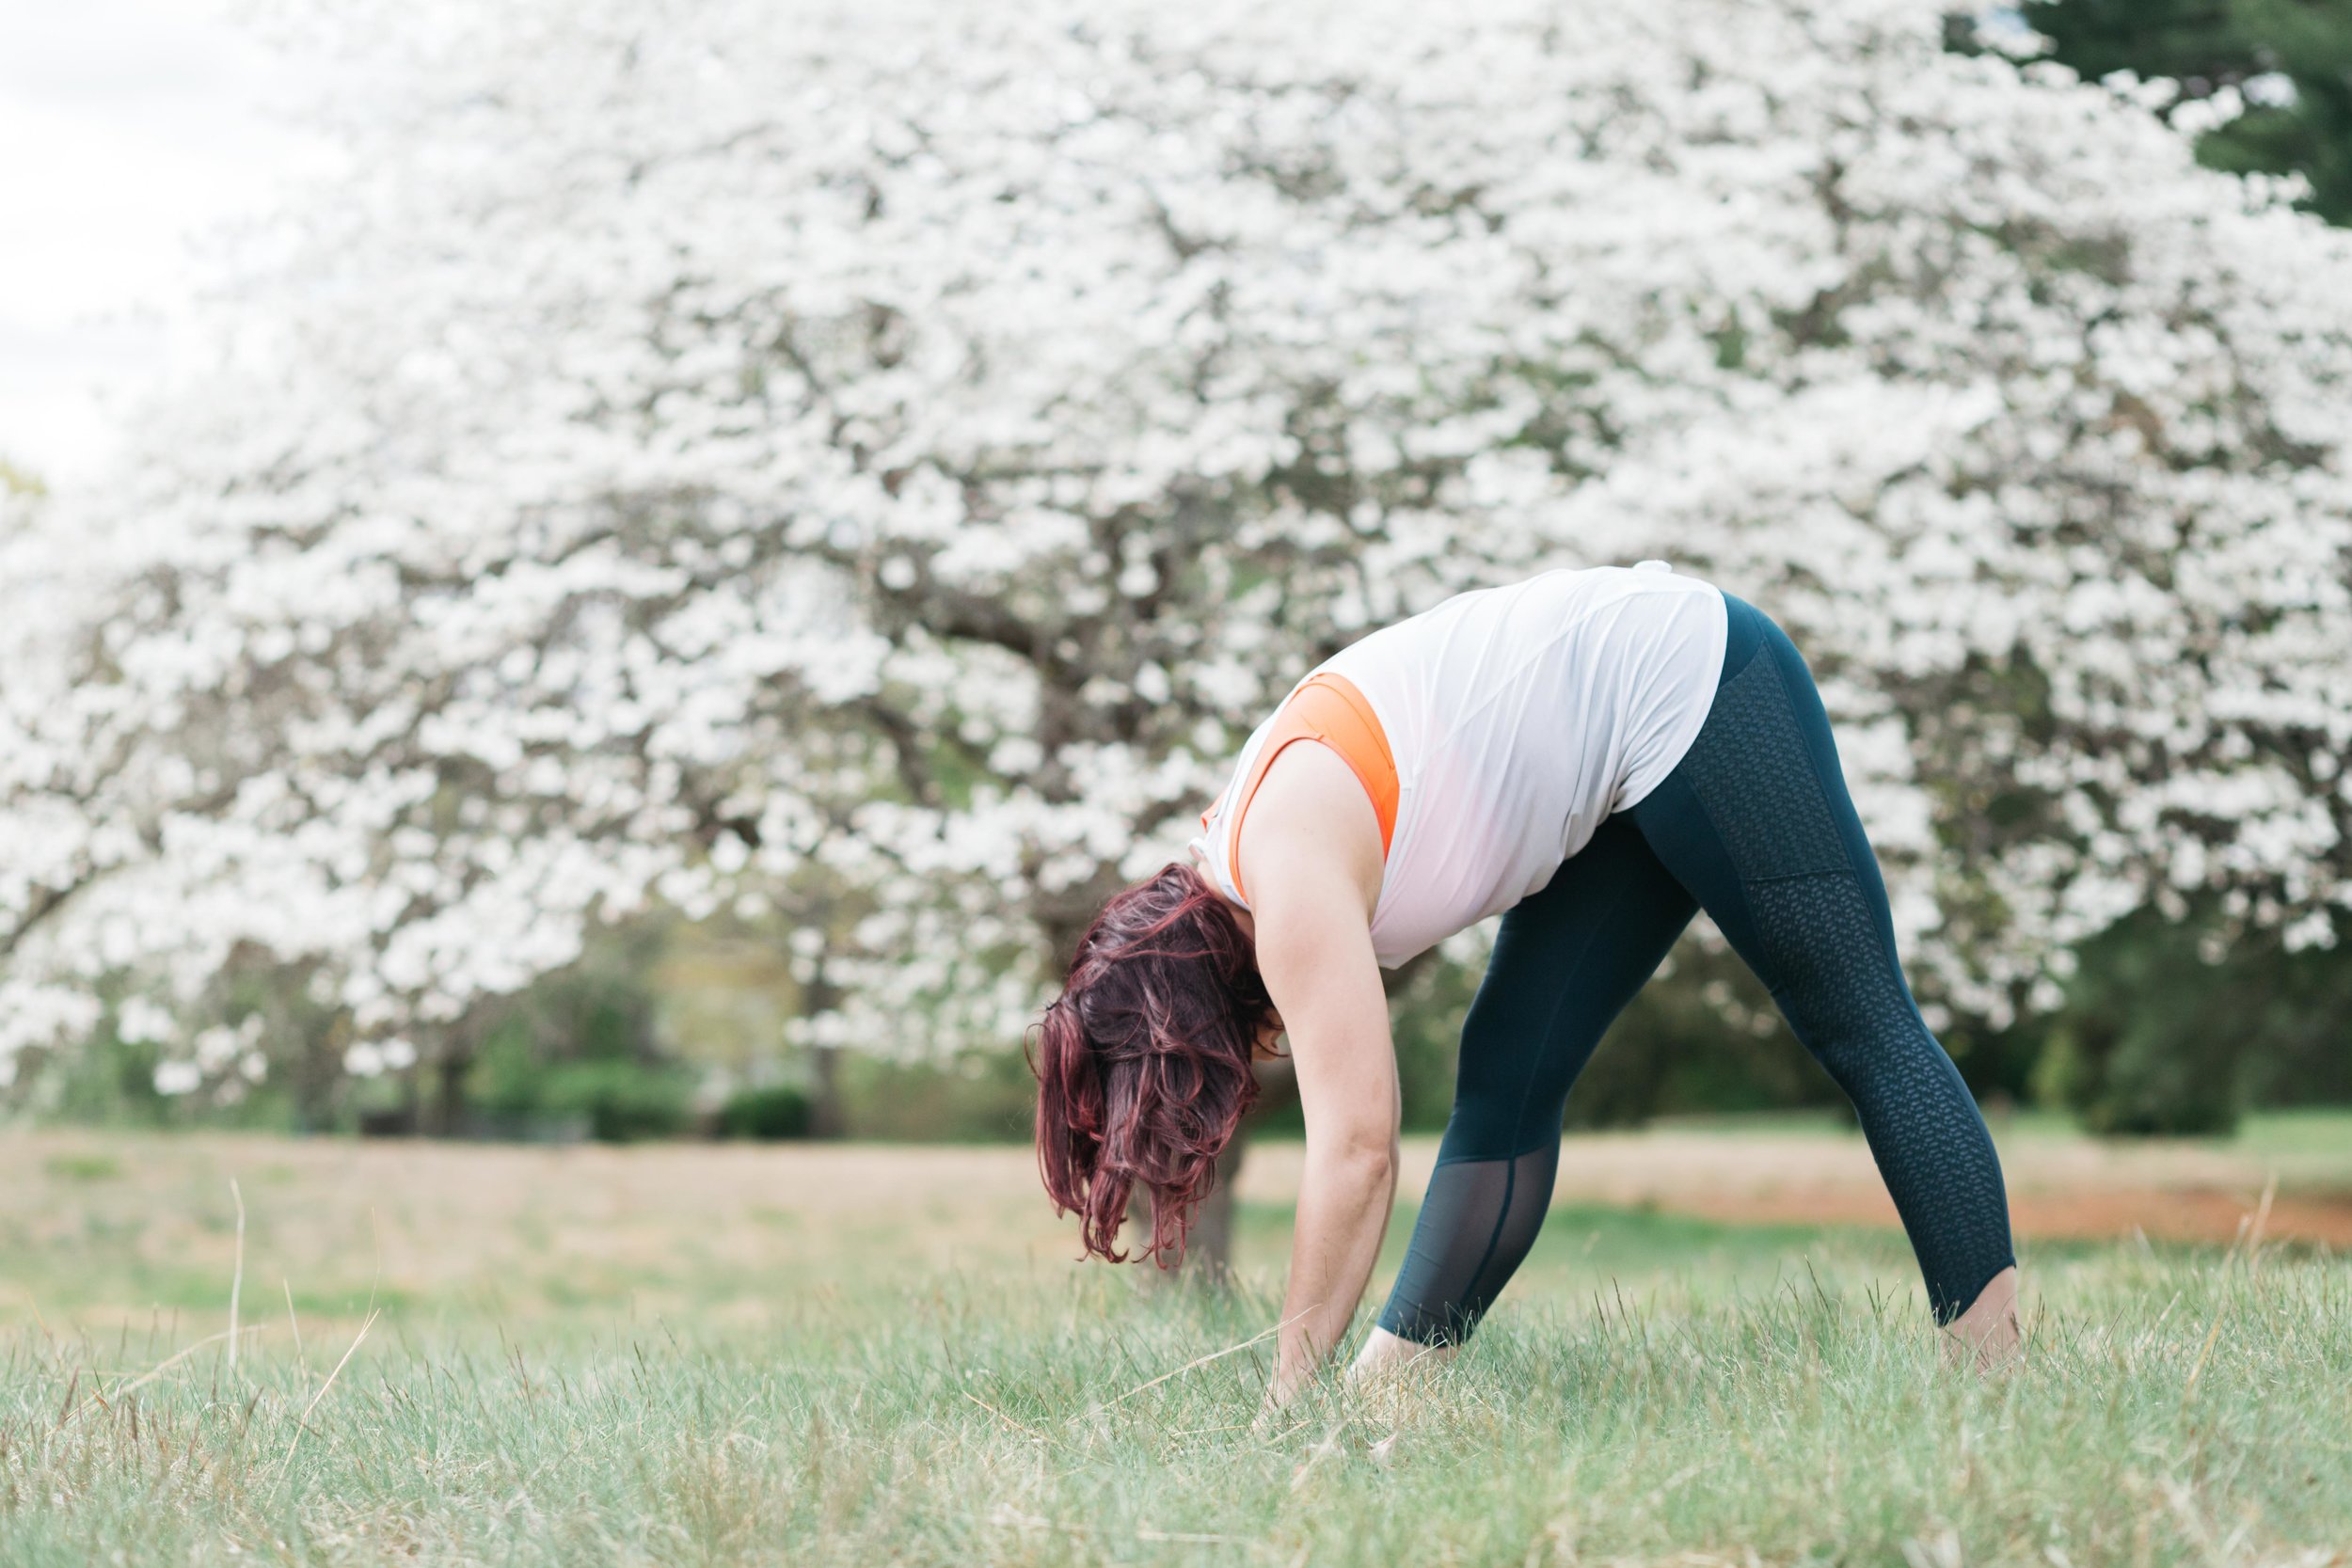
[2063,1186]
[104,1230]
[95,1228]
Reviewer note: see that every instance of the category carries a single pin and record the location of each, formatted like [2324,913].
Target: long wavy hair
[1144,1061]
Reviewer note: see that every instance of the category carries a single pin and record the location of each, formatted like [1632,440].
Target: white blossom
[881,458]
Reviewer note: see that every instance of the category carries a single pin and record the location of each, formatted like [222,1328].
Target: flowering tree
[883,463]
[56,834]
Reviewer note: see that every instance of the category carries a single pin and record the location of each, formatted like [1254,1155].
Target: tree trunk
[826,1118]
[445,1111]
[441,1080]
[1208,1245]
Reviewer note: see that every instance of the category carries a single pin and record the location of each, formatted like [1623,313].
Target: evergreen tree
[2245,45]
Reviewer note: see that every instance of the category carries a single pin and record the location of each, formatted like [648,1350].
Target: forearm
[1315,951]
[1344,1203]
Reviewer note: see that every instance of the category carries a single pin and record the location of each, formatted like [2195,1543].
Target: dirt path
[2059,1188]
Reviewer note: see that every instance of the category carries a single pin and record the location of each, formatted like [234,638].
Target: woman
[1596,754]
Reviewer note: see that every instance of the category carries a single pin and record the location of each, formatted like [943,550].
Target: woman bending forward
[1596,754]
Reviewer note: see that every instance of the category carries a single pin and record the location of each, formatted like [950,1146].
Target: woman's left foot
[1988,1333]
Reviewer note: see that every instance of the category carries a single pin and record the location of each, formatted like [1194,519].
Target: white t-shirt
[1519,718]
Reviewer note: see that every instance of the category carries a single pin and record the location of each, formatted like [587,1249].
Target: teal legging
[1755,827]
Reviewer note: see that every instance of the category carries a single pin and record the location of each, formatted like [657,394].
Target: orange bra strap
[1329,708]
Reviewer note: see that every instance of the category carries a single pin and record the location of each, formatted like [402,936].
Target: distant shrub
[776,1112]
[622,1100]
[2153,1039]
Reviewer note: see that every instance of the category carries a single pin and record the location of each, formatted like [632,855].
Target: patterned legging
[1755,827]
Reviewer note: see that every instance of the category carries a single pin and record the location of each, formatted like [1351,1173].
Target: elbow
[1366,1154]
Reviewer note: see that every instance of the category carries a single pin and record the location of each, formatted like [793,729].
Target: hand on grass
[1385,1355]
[1390,1376]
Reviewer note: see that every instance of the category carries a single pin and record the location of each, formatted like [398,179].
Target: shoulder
[1310,833]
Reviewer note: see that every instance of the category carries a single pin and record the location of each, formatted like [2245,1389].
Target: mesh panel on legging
[1565,960]
[1477,1221]
[1757,821]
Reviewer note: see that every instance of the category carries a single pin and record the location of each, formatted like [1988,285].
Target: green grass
[83,1167]
[708,1357]
[1583,1248]
[2326,1132]
[2176,1410]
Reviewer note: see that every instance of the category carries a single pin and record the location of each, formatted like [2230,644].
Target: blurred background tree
[715,588]
[2171,1027]
[2179,1024]
[2286,66]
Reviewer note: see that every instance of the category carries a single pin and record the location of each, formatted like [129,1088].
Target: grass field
[459,1353]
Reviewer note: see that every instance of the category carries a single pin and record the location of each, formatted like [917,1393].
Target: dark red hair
[1143,1062]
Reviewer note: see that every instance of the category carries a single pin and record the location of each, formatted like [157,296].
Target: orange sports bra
[1326,707]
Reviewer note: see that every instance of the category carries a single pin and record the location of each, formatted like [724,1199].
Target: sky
[130,129]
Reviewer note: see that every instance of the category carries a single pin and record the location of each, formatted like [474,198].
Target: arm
[1314,949]
[1338,1021]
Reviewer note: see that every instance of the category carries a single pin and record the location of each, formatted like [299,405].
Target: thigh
[1565,962]
[1758,824]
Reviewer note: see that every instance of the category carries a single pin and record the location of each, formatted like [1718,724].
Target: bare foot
[1988,1333]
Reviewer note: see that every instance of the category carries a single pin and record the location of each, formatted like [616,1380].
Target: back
[1518,718]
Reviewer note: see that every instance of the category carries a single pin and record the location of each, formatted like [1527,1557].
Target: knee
[1482,1127]
[1897,1058]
